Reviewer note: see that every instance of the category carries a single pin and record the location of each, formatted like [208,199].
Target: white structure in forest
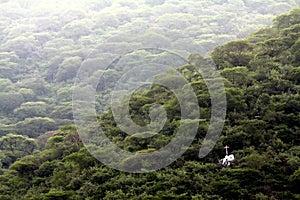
[228,159]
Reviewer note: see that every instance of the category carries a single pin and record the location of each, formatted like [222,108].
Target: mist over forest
[47,47]
[44,43]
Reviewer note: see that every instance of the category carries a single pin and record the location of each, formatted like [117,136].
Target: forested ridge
[43,45]
[261,75]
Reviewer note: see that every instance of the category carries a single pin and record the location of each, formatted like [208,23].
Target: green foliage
[56,195]
[24,168]
[13,147]
[287,20]
[36,126]
[30,110]
[68,69]
[233,54]
[294,181]
[41,53]
[9,101]
[261,75]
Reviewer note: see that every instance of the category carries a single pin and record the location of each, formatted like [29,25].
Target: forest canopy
[43,45]
[261,76]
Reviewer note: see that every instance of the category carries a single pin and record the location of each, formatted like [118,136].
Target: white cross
[226,147]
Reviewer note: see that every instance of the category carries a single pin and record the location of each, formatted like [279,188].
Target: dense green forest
[41,153]
[43,44]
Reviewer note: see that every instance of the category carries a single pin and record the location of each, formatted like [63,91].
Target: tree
[37,84]
[152,39]
[68,68]
[78,28]
[296,52]
[237,75]
[15,146]
[30,110]
[9,101]
[6,85]
[27,94]
[22,46]
[232,54]
[286,20]
[295,181]
[35,126]
[25,169]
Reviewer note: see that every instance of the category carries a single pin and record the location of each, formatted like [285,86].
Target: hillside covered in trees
[44,43]
[261,75]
